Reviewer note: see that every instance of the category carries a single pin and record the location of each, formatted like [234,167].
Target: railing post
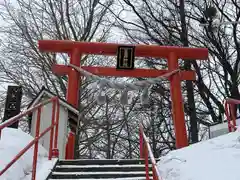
[233,116]
[71,142]
[66,150]
[230,113]
[228,116]
[52,130]
[55,151]
[155,177]
[141,141]
[35,155]
[146,162]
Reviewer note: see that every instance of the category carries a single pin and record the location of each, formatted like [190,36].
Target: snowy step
[102,173]
[98,176]
[100,168]
[102,161]
[105,169]
[139,178]
[96,166]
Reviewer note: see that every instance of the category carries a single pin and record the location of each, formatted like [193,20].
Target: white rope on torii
[123,86]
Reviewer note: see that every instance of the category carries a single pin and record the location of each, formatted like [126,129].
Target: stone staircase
[107,169]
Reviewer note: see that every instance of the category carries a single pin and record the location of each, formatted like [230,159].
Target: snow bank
[217,158]
[11,143]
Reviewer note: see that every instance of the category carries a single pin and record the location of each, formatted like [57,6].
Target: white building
[220,129]
[67,121]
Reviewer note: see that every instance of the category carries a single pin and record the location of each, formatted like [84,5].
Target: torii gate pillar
[171,53]
[74,79]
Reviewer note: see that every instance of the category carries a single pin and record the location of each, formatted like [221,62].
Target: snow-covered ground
[216,158]
[11,143]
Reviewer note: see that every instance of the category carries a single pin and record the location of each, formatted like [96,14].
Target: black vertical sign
[125,57]
[13,103]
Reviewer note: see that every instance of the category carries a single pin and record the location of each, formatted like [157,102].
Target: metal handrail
[16,118]
[145,151]
[230,115]
[53,152]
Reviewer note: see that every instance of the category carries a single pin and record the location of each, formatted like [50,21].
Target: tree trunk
[108,140]
[154,143]
[108,129]
[130,150]
[190,93]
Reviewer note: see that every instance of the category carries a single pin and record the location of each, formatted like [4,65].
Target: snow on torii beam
[171,53]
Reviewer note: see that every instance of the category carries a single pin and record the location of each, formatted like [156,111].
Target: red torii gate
[171,53]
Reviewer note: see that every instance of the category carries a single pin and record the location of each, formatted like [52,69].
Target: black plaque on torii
[125,57]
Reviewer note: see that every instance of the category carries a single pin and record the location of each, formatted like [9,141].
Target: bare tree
[111,131]
[28,21]
[223,44]
[172,22]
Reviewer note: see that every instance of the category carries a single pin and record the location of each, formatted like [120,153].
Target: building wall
[221,129]
[46,116]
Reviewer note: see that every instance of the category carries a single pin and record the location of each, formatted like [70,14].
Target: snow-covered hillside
[11,143]
[214,159]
